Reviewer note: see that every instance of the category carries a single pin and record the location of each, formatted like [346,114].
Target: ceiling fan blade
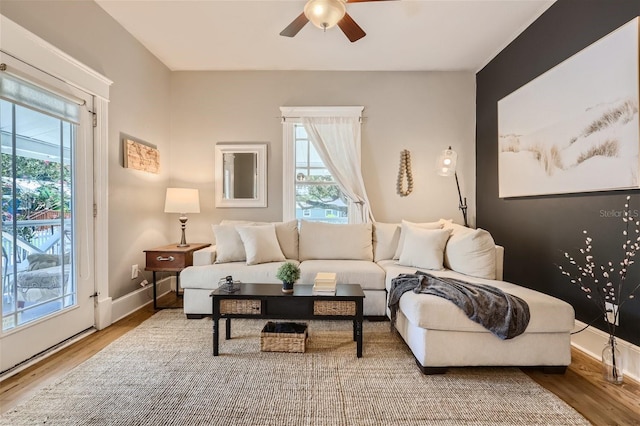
[295,26]
[351,29]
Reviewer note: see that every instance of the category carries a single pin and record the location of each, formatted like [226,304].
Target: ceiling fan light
[325,14]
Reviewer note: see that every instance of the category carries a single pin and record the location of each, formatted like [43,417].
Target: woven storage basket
[334,307]
[293,341]
[240,306]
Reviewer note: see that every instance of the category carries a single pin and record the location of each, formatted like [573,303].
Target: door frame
[26,47]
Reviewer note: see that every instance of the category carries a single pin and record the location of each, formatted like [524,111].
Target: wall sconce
[183,201]
[446,166]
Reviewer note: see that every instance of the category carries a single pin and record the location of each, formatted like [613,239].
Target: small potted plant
[288,273]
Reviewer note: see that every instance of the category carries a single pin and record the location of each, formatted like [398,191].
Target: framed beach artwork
[575,128]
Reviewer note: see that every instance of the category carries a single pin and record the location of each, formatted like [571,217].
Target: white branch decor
[604,284]
[405,170]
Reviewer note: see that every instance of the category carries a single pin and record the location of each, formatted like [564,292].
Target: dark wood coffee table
[267,301]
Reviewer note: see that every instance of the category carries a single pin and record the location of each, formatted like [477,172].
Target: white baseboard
[592,341]
[129,303]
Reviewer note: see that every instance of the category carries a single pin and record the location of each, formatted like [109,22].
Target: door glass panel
[37,232]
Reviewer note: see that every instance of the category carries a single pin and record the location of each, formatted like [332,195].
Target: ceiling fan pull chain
[405,170]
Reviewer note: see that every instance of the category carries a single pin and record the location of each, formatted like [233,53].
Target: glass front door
[47,225]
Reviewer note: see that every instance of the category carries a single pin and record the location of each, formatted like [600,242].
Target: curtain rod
[284,118]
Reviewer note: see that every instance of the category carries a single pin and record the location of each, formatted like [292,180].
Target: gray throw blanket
[503,314]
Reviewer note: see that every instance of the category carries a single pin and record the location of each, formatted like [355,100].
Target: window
[317,196]
[37,187]
[309,189]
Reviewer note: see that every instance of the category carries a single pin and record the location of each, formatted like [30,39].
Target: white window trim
[290,117]
[31,49]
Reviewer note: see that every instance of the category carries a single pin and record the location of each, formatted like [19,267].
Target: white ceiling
[401,35]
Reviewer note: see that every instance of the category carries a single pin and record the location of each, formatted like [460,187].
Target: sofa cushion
[336,241]
[425,225]
[43,278]
[385,240]
[548,314]
[44,260]
[366,273]
[287,233]
[229,247]
[207,276]
[260,244]
[471,252]
[423,248]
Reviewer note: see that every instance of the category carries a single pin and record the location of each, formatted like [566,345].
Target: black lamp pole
[463,205]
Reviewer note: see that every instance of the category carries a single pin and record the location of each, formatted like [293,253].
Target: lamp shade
[446,163]
[325,14]
[182,200]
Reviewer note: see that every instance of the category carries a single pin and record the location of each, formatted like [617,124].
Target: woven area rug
[163,372]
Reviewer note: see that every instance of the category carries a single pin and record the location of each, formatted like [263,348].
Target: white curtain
[337,140]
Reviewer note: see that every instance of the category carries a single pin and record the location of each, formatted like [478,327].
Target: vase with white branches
[606,285]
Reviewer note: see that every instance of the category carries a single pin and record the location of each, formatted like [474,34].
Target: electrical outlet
[612,310]
[144,283]
[134,271]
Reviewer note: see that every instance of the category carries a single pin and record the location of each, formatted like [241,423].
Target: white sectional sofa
[438,333]
[315,247]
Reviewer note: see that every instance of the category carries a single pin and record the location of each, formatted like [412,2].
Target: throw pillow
[385,240]
[240,222]
[42,260]
[260,244]
[229,247]
[471,252]
[287,233]
[455,228]
[423,248]
[424,225]
[320,240]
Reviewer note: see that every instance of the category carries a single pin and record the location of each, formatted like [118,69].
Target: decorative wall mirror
[241,174]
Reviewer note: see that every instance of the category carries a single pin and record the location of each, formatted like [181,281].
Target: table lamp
[183,201]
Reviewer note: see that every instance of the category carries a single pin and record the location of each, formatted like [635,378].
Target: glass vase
[612,362]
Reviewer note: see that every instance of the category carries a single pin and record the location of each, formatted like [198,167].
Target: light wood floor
[581,386]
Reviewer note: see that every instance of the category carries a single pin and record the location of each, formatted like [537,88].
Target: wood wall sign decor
[139,156]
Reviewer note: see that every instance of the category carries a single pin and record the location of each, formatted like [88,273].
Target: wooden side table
[170,258]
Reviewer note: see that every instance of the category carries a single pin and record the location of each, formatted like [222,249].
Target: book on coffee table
[325,283]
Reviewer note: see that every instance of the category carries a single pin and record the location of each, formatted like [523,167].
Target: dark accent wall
[535,231]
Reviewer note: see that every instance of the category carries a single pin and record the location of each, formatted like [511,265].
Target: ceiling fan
[326,14]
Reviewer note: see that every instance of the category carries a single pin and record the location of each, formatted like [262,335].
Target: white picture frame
[575,128]
[241,175]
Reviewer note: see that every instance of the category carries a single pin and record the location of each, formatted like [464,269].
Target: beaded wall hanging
[405,171]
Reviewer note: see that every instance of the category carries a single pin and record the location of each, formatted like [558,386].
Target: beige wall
[139,106]
[423,112]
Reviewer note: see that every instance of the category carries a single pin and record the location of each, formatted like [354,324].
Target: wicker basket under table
[294,340]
